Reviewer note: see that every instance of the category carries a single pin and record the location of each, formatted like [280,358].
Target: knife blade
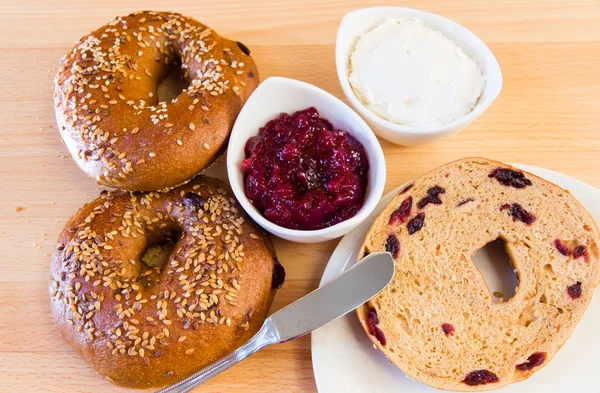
[338,297]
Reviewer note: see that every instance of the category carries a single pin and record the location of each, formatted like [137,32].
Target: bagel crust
[107,108]
[142,326]
[437,320]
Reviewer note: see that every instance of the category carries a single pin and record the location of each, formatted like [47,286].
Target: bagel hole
[173,81]
[497,269]
[158,250]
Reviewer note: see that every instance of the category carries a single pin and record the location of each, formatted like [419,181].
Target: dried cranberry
[580,251]
[278,274]
[480,377]
[427,199]
[431,197]
[511,178]
[372,318]
[448,329]
[517,212]
[302,173]
[574,290]
[561,247]
[416,223]
[408,187]
[193,199]
[435,191]
[244,48]
[372,322]
[403,212]
[464,202]
[379,335]
[392,245]
[532,361]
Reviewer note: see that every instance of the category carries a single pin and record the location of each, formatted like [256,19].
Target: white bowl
[356,23]
[276,95]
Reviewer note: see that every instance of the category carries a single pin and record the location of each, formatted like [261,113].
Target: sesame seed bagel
[107,108]
[140,325]
[437,320]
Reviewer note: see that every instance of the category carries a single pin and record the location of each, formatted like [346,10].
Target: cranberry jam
[302,173]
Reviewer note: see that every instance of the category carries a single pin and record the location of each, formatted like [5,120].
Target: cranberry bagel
[141,325]
[437,320]
[107,107]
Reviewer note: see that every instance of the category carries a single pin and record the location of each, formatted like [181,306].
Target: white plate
[344,359]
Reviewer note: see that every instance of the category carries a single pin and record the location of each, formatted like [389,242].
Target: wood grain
[547,115]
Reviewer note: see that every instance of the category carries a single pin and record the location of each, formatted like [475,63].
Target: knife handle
[263,338]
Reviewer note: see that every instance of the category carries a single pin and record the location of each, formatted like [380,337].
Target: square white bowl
[276,95]
[358,22]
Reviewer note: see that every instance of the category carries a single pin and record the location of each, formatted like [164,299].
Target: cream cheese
[412,75]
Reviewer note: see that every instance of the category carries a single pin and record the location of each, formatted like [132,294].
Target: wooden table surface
[548,115]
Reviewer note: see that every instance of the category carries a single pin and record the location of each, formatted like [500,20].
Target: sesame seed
[206,146]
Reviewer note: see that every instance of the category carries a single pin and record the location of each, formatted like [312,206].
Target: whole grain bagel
[143,326]
[107,108]
[437,320]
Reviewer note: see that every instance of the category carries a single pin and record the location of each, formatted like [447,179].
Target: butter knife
[338,297]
